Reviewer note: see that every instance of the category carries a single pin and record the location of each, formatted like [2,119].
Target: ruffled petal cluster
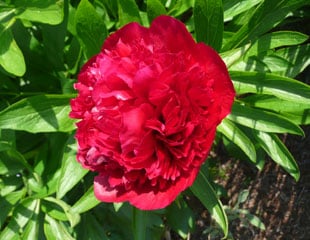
[149,104]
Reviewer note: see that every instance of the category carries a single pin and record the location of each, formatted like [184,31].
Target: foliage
[45,194]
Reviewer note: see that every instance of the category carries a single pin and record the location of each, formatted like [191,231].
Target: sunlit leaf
[234,134]
[297,56]
[54,229]
[71,171]
[32,228]
[268,15]
[262,120]
[232,56]
[21,216]
[42,113]
[7,203]
[86,202]
[233,8]
[297,112]
[278,152]
[177,8]
[271,84]
[71,215]
[274,40]
[11,57]
[205,193]
[47,11]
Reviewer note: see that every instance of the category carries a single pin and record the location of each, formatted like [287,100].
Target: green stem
[140,219]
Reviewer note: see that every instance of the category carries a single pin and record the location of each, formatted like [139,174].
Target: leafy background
[44,192]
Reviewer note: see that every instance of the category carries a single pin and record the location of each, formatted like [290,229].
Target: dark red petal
[215,68]
[172,33]
[127,34]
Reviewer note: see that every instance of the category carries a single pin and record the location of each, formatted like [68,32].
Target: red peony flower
[149,105]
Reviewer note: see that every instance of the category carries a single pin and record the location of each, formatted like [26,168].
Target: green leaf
[254,220]
[11,57]
[6,13]
[53,210]
[71,171]
[274,40]
[95,230]
[31,230]
[117,206]
[242,197]
[155,8]
[47,11]
[54,43]
[55,230]
[13,162]
[275,64]
[71,215]
[21,216]
[7,139]
[233,8]
[42,113]
[297,112]
[266,16]
[297,56]
[86,202]
[263,120]
[232,56]
[90,28]
[128,11]
[209,24]
[50,186]
[177,8]
[275,148]
[271,84]
[205,193]
[7,203]
[234,134]
[180,217]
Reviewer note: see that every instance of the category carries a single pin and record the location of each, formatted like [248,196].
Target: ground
[281,203]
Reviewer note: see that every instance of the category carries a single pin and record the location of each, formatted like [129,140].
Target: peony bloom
[149,105]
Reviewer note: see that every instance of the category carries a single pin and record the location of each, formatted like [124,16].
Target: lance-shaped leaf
[43,113]
[270,84]
[266,16]
[90,28]
[54,229]
[297,112]
[263,120]
[275,148]
[71,171]
[205,193]
[209,23]
[86,202]
[238,137]
[20,217]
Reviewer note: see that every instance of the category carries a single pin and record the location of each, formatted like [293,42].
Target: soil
[280,202]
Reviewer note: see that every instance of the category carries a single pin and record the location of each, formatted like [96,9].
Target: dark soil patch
[282,204]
